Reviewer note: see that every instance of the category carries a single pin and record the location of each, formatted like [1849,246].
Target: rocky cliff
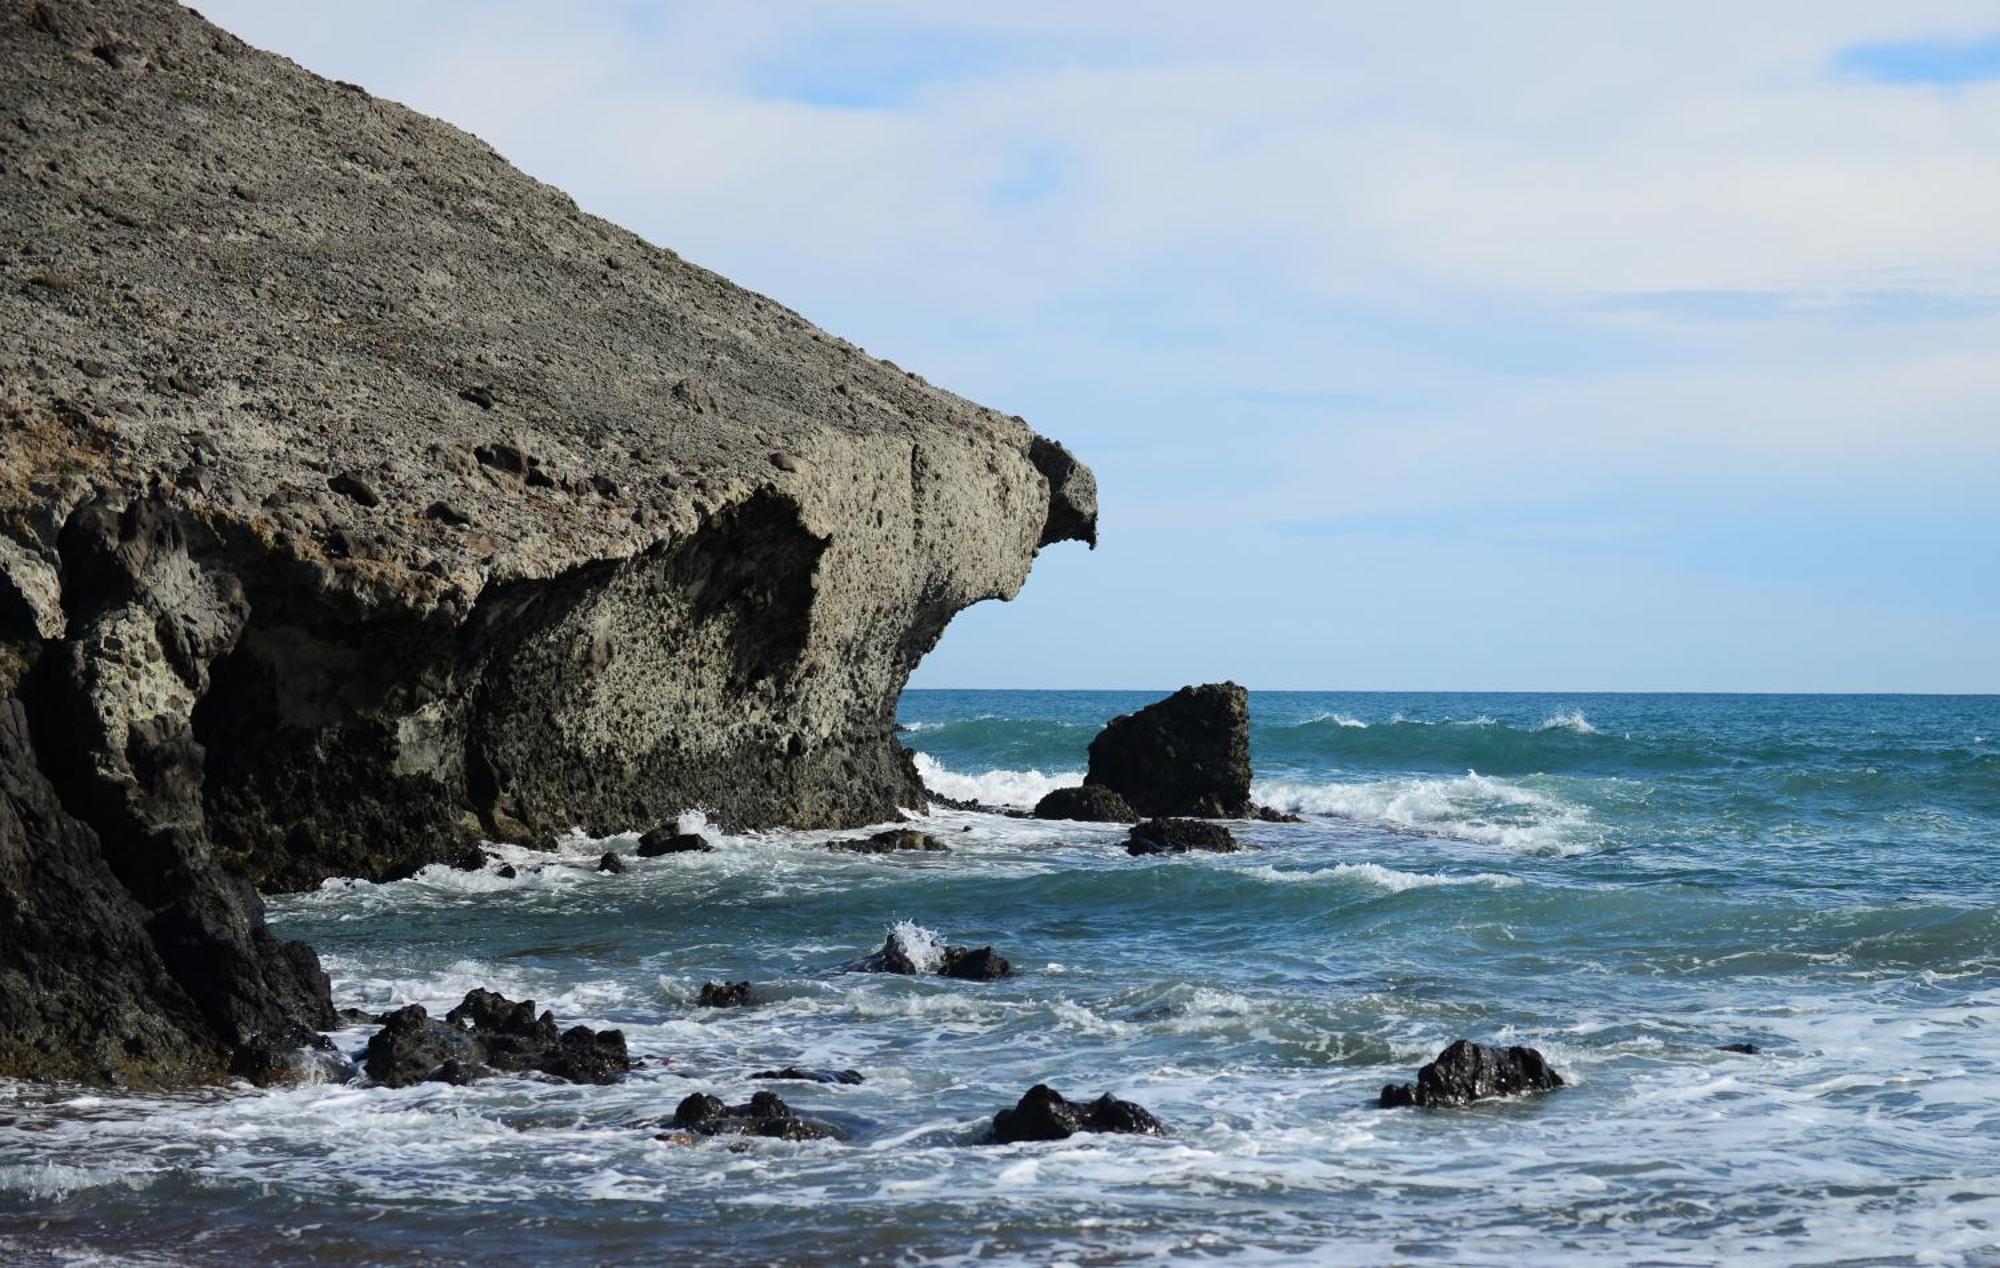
[360,497]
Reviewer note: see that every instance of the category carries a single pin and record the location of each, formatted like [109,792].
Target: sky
[1429,346]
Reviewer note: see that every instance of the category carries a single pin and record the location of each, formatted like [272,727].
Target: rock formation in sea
[1466,1072]
[486,1033]
[1188,754]
[1179,836]
[361,497]
[1044,1114]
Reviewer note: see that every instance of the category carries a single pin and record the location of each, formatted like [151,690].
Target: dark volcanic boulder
[488,1032]
[723,995]
[1178,836]
[1043,1114]
[764,1115]
[672,841]
[917,952]
[892,841]
[1186,755]
[611,863]
[312,565]
[1467,1072]
[794,1073]
[1090,803]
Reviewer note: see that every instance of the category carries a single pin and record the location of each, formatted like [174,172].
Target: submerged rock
[1178,836]
[486,1033]
[1186,755]
[309,568]
[911,951]
[765,1115]
[1741,1049]
[1090,803]
[723,995]
[792,1072]
[1044,1114]
[1466,1072]
[672,841]
[890,842]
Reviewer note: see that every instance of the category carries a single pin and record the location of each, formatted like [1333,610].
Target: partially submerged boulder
[1467,1072]
[662,841]
[764,1115]
[1179,836]
[723,995]
[915,952]
[1186,755]
[1044,1114]
[891,841]
[489,1033]
[795,1074]
[1088,803]
[610,862]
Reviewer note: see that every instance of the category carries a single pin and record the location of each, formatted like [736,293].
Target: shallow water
[1623,881]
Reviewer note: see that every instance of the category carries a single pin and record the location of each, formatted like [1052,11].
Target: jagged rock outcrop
[1186,755]
[486,1033]
[1045,1114]
[1466,1072]
[360,498]
[1179,836]
[766,1114]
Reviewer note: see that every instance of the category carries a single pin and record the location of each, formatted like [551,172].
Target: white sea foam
[1571,720]
[1021,788]
[1338,719]
[924,947]
[1472,807]
[1379,877]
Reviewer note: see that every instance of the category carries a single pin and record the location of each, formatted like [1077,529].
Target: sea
[1632,884]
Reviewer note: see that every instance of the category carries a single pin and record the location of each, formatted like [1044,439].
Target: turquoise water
[1626,882]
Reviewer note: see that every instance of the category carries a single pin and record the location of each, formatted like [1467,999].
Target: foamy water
[1625,899]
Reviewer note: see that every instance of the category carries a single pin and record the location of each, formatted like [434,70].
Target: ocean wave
[1472,807]
[1570,720]
[1379,877]
[1018,788]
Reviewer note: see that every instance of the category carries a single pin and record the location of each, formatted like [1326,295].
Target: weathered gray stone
[264,605]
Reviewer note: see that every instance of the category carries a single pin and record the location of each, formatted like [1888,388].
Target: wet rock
[507,872]
[672,841]
[1186,755]
[764,1115]
[1090,803]
[1742,1049]
[1466,1072]
[611,863]
[974,964]
[1044,1114]
[1271,814]
[723,995]
[914,955]
[488,1032]
[795,1074]
[1179,836]
[350,485]
[892,841]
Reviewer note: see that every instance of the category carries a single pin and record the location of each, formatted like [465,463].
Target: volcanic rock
[263,610]
[1186,755]
[485,1033]
[911,955]
[723,995]
[1090,803]
[610,862]
[1467,1072]
[893,841]
[793,1073]
[765,1115]
[1178,836]
[672,841]
[1043,1114]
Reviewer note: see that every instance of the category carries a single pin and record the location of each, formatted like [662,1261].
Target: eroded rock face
[1044,1114]
[1186,755]
[360,498]
[1466,1072]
